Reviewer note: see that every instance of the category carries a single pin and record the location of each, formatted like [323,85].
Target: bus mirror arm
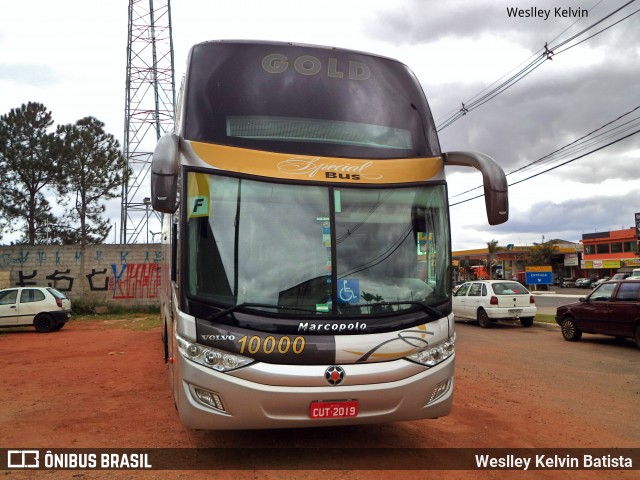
[164,174]
[496,195]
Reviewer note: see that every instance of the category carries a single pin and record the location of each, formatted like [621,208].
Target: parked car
[568,283]
[45,308]
[488,301]
[599,282]
[585,282]
[613,308]
[579,282]
[620,276]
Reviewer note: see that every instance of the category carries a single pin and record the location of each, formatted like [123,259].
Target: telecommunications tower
[149,109]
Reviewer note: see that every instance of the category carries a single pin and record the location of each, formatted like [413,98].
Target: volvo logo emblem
[334,375]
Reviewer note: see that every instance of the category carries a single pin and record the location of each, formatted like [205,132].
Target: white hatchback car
[43,307]
[491,300]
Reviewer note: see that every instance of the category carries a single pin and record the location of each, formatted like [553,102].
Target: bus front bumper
[207,399]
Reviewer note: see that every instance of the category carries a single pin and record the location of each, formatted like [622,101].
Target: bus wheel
[526,322]
[483,319]
[570,330]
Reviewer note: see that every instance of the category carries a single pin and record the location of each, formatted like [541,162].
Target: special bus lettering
[342,176]
[310,167]
[310,65]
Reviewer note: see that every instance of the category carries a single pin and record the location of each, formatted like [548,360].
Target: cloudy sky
[71,56]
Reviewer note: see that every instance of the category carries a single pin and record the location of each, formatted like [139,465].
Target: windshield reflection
[315,249]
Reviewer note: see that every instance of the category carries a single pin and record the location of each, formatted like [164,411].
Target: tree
[92,168]
[29,158]
[541,253]
[492,249]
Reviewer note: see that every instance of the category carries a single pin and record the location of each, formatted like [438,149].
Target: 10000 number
[270,344]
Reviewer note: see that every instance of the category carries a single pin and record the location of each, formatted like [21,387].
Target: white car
[43,307]
[491,300]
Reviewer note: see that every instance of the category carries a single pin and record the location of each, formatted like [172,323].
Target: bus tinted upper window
[347,104]
[324,131]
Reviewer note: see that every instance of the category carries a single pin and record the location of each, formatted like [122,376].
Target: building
[511,260]
[607,252]
[598,255]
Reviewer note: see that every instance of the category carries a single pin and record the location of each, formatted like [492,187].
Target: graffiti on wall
[136,280]
[60,280]
[131,280]
[140,279]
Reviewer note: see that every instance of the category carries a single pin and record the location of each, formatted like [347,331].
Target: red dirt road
[99,385]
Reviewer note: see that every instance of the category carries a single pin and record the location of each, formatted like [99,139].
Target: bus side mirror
[496,194]
[164,174]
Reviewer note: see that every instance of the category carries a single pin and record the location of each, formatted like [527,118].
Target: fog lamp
[210,399]
[440,390]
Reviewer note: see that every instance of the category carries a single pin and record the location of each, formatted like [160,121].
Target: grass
[544,318]
[132,321]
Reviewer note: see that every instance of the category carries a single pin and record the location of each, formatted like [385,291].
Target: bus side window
[174,251]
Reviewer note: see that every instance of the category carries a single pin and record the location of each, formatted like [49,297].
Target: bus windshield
[320,250]
[306,100]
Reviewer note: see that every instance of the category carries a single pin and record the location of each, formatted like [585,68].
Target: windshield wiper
[426,308]
[423,306]
[244,305]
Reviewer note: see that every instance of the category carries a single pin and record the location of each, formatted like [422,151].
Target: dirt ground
[99,385]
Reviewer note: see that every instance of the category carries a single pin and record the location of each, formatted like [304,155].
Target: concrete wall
[127,275]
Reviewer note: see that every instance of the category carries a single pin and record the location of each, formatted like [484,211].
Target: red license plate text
[344,409]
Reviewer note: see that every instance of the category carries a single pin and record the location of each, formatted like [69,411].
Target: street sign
[539,268]
[538,278]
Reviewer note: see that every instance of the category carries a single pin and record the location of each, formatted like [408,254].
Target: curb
[546,326]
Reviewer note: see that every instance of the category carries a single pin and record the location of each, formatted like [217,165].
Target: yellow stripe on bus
[313,168]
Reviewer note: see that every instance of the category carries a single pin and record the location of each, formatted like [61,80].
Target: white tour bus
[307,258]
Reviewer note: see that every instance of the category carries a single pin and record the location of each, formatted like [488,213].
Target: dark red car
[613,308]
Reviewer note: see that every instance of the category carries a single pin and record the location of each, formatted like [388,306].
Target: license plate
[341,409]
[515,311]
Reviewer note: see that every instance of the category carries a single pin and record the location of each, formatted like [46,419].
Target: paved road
[548,301]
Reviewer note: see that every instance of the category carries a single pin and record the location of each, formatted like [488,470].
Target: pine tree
[29,165]
[92,168]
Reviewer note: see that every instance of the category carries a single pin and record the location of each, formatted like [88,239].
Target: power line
[535,55]
[576,158]
[546,54]
[556,166]
[595,24]
[576,146]
[549,155]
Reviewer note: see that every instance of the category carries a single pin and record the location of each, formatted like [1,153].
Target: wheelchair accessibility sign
[349,291]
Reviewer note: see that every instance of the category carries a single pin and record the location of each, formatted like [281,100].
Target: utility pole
[149,106]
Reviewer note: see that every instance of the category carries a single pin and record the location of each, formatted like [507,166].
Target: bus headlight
[435,354]
[211,357]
